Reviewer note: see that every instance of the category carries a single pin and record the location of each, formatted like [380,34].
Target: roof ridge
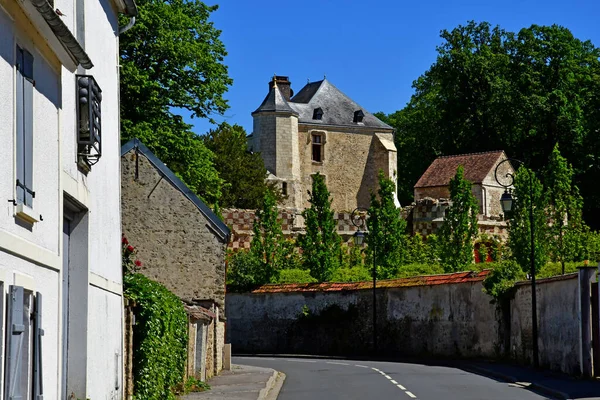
[472,154]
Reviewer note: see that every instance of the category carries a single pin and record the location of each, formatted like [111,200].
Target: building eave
[58,35]
[214,223]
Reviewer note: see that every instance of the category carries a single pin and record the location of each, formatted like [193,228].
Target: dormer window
[318,113]
[358,116]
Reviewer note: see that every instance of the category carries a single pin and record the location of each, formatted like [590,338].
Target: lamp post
[506,201]
[359,220]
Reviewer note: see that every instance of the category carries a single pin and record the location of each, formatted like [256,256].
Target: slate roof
[214,222]
[338,109]
[274,102]
[426,280]
[476,165]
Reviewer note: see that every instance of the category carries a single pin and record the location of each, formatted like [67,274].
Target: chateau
[321,130]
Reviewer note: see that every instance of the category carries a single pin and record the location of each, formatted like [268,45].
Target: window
[89,132]
[317,147]
[318,113]
[24,119]
[284,190]
[358,116]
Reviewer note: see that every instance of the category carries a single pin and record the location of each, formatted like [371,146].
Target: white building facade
[61,301]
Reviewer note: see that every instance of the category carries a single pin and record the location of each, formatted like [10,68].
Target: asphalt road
[330,379]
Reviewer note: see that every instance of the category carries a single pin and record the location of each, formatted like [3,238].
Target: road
[330,379]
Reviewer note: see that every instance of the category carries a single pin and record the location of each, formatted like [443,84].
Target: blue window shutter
[20,128]
[14,344]
[28,125]
[38,381]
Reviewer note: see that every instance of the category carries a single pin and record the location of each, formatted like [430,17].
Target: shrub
[502,279]
[352,274]
[416,269]
[160,337]
[295,275]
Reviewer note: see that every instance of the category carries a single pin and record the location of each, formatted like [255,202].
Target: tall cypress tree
[460,225]
[321,245]
[564,206]
[387,231]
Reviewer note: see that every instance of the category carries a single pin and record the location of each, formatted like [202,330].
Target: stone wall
[351,160]
[558,328]
[442,315]
[447,315]
[171,236]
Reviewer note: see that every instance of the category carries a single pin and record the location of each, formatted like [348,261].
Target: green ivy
[160,337]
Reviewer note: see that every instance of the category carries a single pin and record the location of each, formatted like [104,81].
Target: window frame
[320,144]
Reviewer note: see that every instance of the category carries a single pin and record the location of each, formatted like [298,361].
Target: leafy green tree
[172,59]
[244,173]
[387,231]
[528,193]
[564,206]
[520,91]
[321,245]
[460,225]
[268,245]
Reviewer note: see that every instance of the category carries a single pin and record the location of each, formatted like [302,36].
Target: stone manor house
[320,129]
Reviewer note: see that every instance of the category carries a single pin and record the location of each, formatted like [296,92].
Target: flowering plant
[130,262]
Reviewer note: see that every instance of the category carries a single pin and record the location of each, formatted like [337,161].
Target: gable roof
[274,102]
[214,222]
[338,109]
[476,165]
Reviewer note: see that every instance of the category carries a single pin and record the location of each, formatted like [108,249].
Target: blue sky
[370,50]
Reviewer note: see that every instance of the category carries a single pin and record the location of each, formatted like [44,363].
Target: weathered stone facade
[174,240]
[352,151]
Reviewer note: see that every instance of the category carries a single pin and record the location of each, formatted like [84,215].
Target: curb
[272,387]
[527,385]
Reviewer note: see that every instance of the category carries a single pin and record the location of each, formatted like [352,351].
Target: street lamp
[506,201]
[359,216]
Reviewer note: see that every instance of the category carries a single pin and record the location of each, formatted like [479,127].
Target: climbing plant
[159,335]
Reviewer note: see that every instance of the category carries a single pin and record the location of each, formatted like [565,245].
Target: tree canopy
[522,92]
[172,59]
[243,172]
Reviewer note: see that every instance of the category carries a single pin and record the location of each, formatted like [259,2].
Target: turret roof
[275,102]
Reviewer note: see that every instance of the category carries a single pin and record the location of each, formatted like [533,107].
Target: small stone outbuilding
[432,191]
[182,244]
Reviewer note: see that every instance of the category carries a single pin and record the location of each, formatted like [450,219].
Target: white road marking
[337,363]
[388,377]
[304,361]
[361,366]
[375,369]
[394,382]
[410,394]
[401,387]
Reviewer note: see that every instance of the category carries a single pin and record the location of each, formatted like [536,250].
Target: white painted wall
[35,254]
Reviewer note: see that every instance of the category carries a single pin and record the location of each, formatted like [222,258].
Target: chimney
[283,83]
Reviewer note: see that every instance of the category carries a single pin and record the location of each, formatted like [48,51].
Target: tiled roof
[274,102]
[476,165]
[427,280]
[199,312]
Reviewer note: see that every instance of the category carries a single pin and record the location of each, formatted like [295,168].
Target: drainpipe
[123,29]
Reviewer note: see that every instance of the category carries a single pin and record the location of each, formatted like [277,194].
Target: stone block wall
[171,235]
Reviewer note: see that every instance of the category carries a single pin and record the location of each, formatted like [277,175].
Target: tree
[460,225]
[387,230]
[564,206]
[244,173]
[528,193]
[321,245]
[172,59]
[268,244]
[492,89]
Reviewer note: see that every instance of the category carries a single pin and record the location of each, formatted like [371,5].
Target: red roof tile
[426,280]
[477,166]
